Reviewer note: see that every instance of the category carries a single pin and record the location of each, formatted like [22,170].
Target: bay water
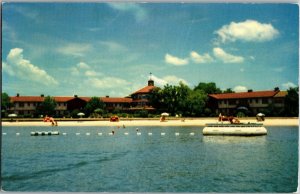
[148,159]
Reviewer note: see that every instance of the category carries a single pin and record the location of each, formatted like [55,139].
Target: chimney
[18,94]
[276,89]
[42,95]
[250,90]
[107,96]
[75,95]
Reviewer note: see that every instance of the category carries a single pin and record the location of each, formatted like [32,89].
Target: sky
[99,49]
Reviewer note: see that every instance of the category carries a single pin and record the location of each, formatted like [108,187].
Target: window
[21,104]
[265,101]
[232,102]
[278,101]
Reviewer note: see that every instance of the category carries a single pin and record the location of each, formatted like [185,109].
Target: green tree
[183,100]
[74,113]
[228,90]
[208,88]
[292,102]
[47,107]
[182,93]
[93,104]
[166,99]
[196,102]
[155,98]
[5,103]
[99,111]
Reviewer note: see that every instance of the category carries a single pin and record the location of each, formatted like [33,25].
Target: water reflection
[234,139]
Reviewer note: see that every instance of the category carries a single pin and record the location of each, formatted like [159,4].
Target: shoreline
[152,122]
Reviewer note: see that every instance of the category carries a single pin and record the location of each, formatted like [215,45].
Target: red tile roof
[39,98]
[146,89]
[26,99]
[281,94]
[116,100]
[67,98]
[62,98]
[257,94]
[85,98]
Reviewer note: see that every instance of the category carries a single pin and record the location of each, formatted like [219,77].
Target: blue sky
[98,49]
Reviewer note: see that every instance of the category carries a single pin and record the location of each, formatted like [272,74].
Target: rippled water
[148,163]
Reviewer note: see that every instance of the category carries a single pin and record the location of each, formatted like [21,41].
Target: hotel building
[139,100]
[226,103]
[253,101]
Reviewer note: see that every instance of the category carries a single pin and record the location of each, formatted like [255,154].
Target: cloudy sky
[98,49]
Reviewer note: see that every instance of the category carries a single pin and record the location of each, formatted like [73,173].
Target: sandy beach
[145,122]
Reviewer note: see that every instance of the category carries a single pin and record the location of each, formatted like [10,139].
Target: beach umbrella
[81,114]
[260,114]
[165,114]
[12,115]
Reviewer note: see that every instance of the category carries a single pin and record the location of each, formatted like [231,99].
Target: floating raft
[240,129]
[43,133]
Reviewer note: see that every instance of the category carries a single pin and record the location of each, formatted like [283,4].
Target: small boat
[239,129]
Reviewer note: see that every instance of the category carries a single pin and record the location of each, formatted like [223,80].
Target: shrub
[240,114]
[74,113]
[27,115]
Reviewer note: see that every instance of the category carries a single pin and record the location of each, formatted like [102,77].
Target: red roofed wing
[26,99]
[116,100]
[258,94]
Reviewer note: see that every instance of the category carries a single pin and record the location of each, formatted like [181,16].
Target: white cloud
[8,69]
[158,81]
[106,82]
[175,60]
[288,85]
[226,57]
[82,68]
[169,79]
[16,65]
[249,31]
[78,69]
[139,13]
[174,80]
[240,89]
[83,65]
[113,46]
[91,73]
[75,49]
[197,58]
